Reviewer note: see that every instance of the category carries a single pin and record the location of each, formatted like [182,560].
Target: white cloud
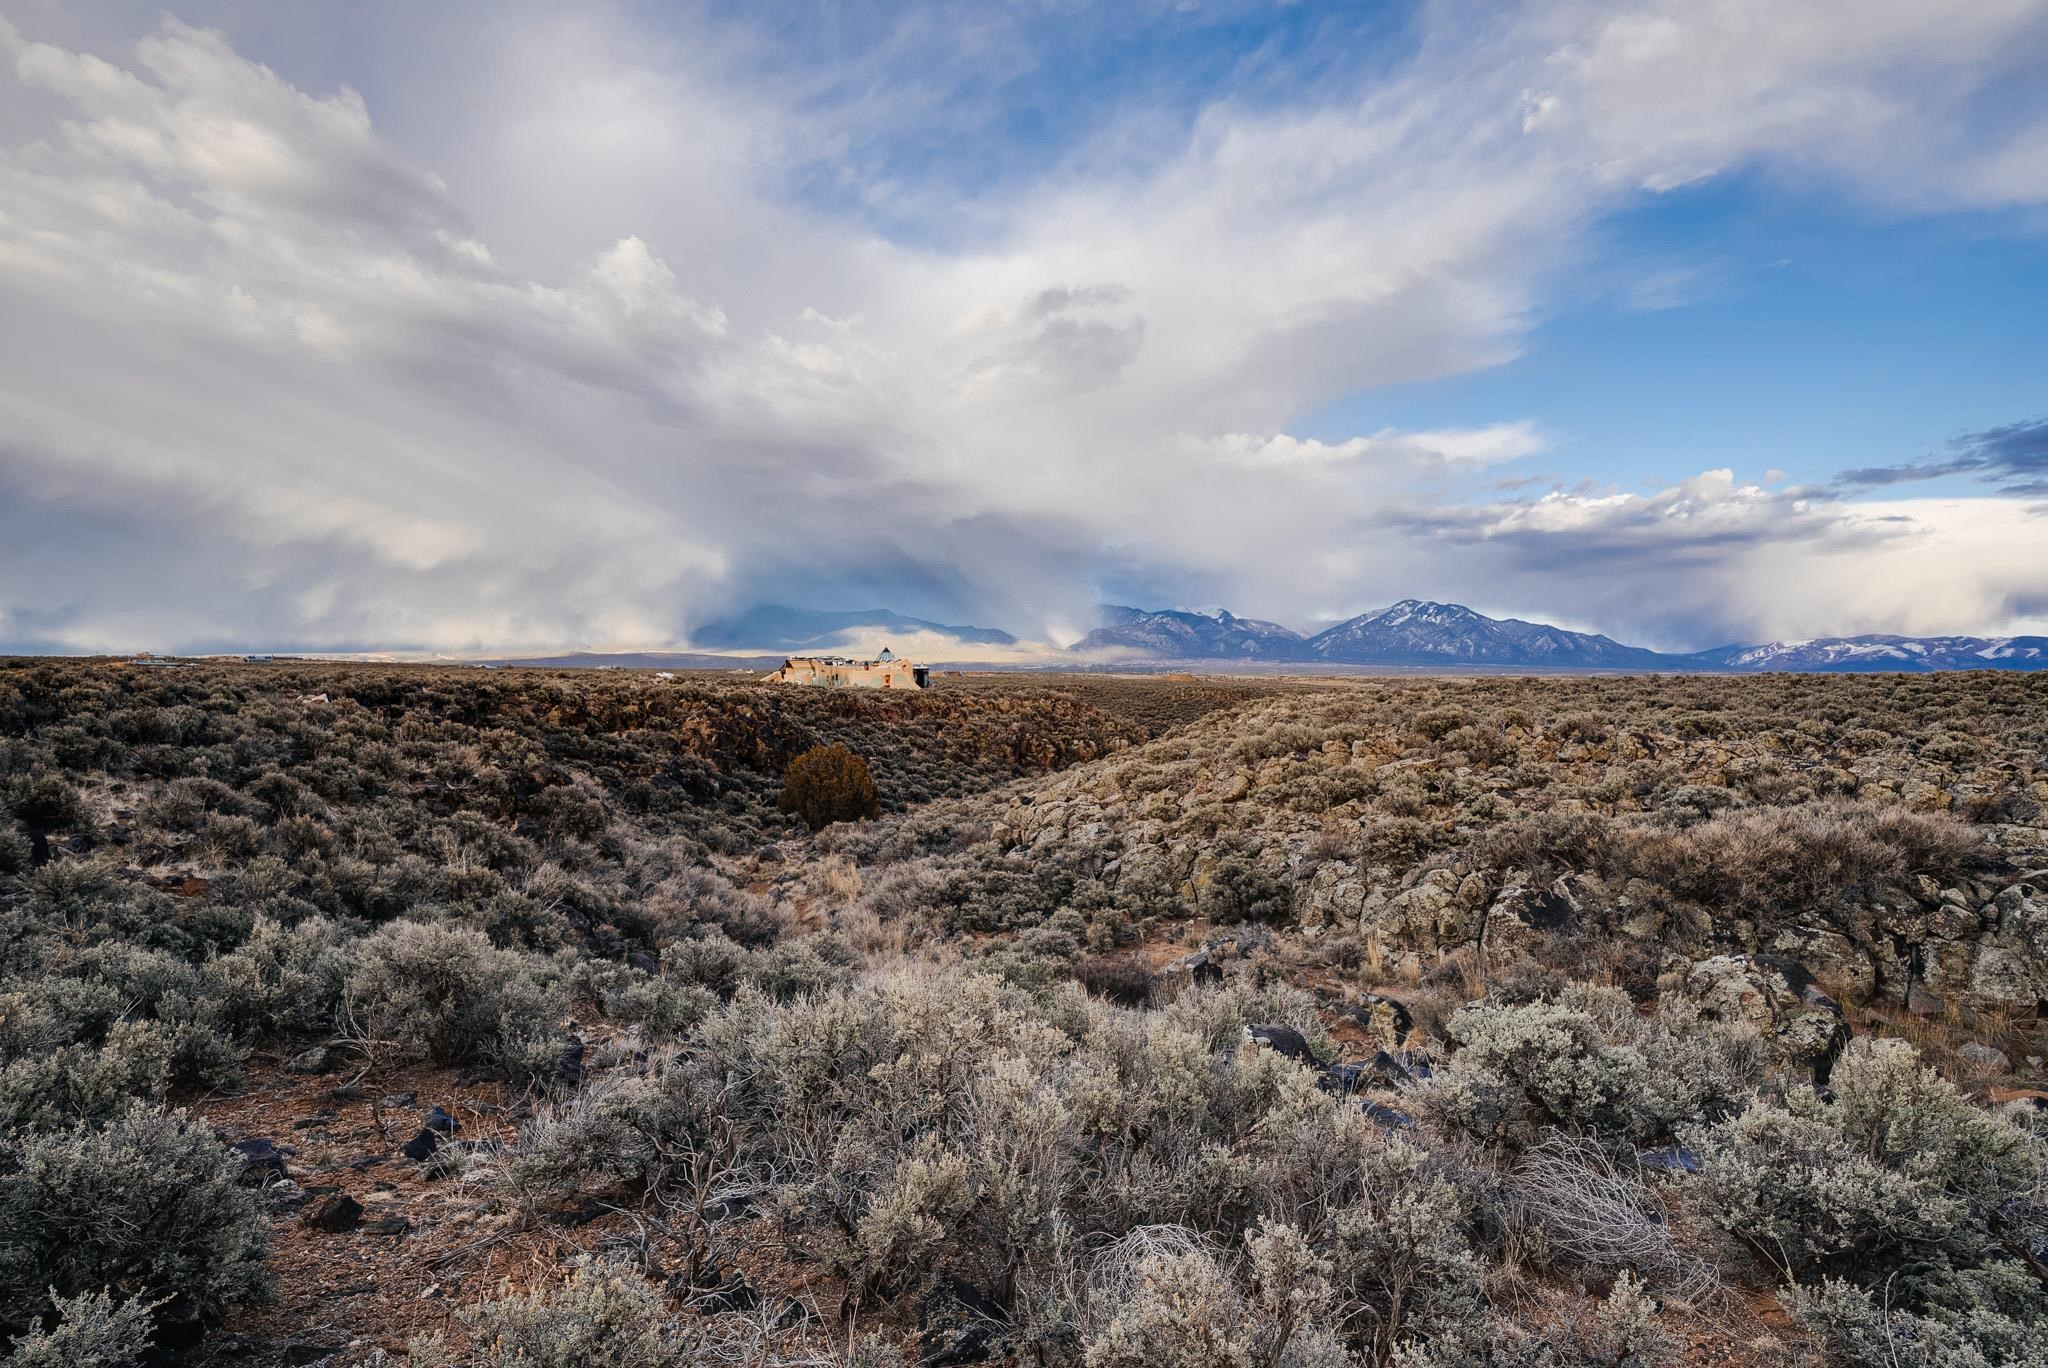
[264,376]
[1390,450]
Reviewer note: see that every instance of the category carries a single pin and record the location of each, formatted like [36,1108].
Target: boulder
[1387,1070]
[950,1346]
[570,1067]
[337,1215]
[1335,896]
[1922,1003]
[733,1293]
[1669,1159]
[421,1147]
[318,1060]
[262,1162]
[1523,915]
[2010,968]
[1386,1118]
[1830,955]
[1205,966]
[1430,915]
[1986,1058]
[1778,997]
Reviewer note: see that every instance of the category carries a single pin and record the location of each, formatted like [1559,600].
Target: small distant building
[885,671]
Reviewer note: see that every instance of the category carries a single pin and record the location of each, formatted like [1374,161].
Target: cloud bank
[621,356]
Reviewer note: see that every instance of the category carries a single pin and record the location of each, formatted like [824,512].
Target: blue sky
[1746,324]
[483,327]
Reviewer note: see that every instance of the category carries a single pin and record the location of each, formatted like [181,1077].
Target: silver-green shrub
[1981,1317]
[603,1314]
[1521,1069]
[446,994]
[150,1202]
[1901,1167]
[91,1330]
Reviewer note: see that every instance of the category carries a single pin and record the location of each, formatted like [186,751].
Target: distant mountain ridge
[773,627]
[1418,632]
[1862,654]
[1187,634]
[1421,632]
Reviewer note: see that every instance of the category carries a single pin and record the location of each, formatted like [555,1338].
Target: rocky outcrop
[1779,999]
[2008,964]
[1523,915]
[1282,1040]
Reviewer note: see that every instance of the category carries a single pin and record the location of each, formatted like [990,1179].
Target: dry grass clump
[1599,1210]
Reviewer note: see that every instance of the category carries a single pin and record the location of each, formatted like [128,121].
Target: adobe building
[837,672]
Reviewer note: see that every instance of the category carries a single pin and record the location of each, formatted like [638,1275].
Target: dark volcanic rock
[570,1067]
[337,1215]
[262,1162]
[1386,1020]
[1284,1040]
[734,1293]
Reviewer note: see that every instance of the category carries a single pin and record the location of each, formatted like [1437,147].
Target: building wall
[892,674]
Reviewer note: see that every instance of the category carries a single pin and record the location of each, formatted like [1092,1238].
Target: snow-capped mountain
[1417,632]
[1190,634]
[1871,653]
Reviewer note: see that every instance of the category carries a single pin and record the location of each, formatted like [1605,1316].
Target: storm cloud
[586,345]
[2013,457]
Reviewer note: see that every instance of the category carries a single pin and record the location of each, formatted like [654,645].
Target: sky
[480,328]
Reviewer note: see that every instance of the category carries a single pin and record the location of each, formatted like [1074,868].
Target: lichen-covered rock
[2010,968]
[1335,896]
[1523,915]
[1985,1058]
[1832,957]
[1778,997]
[1430,915]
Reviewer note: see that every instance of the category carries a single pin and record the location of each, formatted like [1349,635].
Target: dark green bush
[828,784]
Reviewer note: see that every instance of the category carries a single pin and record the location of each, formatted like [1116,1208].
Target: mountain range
[1192,634]
[1418,632]
[1869,653]
[1412,633]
